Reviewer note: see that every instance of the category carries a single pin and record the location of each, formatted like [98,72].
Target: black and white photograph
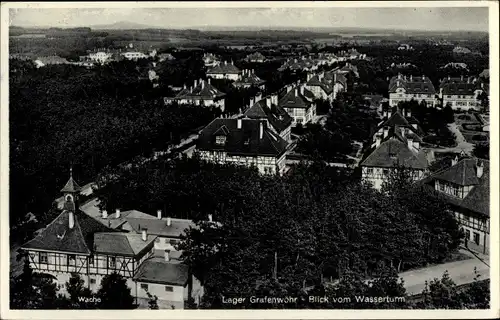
[250,156]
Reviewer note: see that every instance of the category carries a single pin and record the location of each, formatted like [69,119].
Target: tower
[70,192]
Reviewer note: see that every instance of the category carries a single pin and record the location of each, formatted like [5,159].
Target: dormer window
[220,140]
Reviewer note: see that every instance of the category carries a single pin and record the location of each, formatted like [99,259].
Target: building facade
[299,103]
[246,142]
[225,71]
[202,93]
[407,88]
[461,93]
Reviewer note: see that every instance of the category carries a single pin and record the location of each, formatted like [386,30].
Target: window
[441,187]
[111,262]
[449,97]
[172,241]
[144,286]
[71,259]
[157,240]
[476,238]
[385,171]
[220,140]
[43,257]
[91,260]
[369,171]
[169,289]
[92,281]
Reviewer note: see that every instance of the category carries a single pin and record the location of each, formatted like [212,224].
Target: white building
[327,85]
[461,93]
[134,55]
[389,152]
[225,71]
[100,56]
[202,93]
[249,79]
[77,243]
[246,142]
[403,88]
[299,103]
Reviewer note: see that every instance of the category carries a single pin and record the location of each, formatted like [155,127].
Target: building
[255,57]
[210,60]
[100,56]
[405,46]
[326,85]
[390,151]
[407,125]
[75,242]
[465,185]
[299,103]
[165,57]
[461,93]
[249,79]
[299,64]
[403,88]
[225,71]
[202,93]
[267,109]
[44,61]
[134,55]
[456,65]
[461,50]
[246,142]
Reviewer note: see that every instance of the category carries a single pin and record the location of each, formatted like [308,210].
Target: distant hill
[123,25]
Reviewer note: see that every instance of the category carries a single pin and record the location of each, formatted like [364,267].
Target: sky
[444,18]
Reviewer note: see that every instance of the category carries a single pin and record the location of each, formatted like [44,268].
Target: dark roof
[121,243]
[71,186]
[323,84]
[245,141]
[57,236]
[393,152]
[463,173]
[397,119]
[478,199]
[460,86]
[412,85]
[278,118]
[249,79]
[224,68]
[157,270]
[294,99]
[337,77]
[203,90]
[159,227]
[256,56]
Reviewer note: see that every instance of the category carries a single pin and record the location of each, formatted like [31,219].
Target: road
[462,144]
[462,272]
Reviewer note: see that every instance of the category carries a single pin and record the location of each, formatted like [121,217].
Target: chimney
[389,114]
[169,221]
[158,214]
[261,130]
[397,83]
[117,213]
[410,143]
[386,132]
[423,77]
[454,161]
[296,92]
[252,102]
[184,86]
[449,78]
[302,90]
[209,217]
[274,99]
[71,219]
[480,168]
[225,63]
[384,114]
[399,77]
[378,140]
[195,83]
[408,113]
[239,123]
[202,84]
[144,234]
[104,214]
[268,102]
[461,78]
[208,80]
[411,77]
[167,255]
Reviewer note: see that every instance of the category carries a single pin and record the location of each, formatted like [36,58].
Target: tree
[77,291]
[482,150]
[153,301]
[114,293]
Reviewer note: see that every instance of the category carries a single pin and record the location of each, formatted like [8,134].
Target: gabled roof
[244,141]
[57,236]
[249,79]
[121,243]
[323,84]
[393,152]
[203,91]
[464,173]
[412,85]
[157,270]
[278,118]
[71,186]
[224,68]
[294,99]
[478,199]
[459,86]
